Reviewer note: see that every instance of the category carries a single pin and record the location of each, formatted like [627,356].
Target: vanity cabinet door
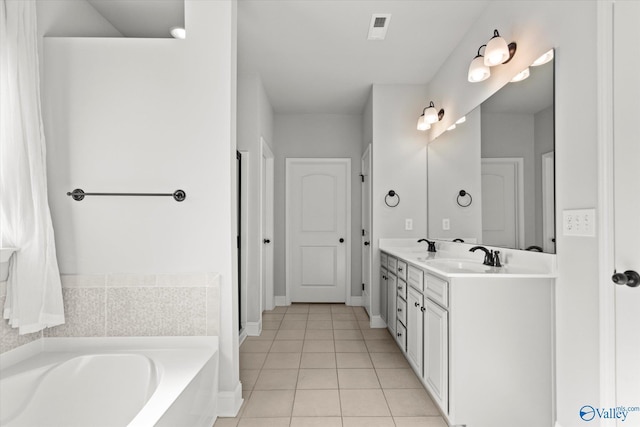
[383,294]
[415,324]
[436,353]
[392,283]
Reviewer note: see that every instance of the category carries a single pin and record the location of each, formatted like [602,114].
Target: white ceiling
[313,55]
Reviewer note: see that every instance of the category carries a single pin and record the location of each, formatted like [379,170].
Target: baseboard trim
[281,301]
[378,322]
[253,329]
[229,402]
[355,301]
[242,336]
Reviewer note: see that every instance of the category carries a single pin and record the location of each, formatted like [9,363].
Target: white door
[502,202]
[318,229]
[366,229]
[627,203]
[266,209]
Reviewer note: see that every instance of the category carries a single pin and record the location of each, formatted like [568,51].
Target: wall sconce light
[521,75]
[496,52]
[429,115]
[477,70]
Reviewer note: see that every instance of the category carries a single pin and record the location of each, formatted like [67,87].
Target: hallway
[321,365]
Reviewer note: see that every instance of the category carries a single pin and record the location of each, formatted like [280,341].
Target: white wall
[454,165]
[255,120]
[400,164]
[367,122]
[317,135]
[148,115]
[570,26]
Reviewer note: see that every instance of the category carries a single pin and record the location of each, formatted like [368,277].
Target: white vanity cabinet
[436,353]
[481,344]
[392,284]
[415,322]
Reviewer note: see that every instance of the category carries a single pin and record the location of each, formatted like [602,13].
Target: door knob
[341,240]
[630,278]
[366,243]
[265,241]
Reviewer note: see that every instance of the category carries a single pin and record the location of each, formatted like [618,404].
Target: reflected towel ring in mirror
[392,194]
[461,195]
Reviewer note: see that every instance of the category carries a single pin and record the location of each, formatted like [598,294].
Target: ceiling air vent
[378,26]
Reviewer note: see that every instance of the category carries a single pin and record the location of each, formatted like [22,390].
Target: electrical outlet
[446,224]
[579,222]
[408,224]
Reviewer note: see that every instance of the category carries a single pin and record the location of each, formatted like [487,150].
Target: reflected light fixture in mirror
[521,75]
[178,33]
[546,57]
[461,120]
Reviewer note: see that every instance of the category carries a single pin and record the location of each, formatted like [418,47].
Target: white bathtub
[110,382]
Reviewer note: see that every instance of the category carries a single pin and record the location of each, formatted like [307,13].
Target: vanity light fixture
[546,57]
[477,70]
[498,51]
[429,115]
[521,75]
[178,33]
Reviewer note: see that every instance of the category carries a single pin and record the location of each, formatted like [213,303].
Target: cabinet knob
[266,241]
[400,310]
[399,334]
[341,240]
[399,288]
[416,304]
[366,243]
[422,309]
[399,268]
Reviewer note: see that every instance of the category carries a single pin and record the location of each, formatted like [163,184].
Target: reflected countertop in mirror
[502,157]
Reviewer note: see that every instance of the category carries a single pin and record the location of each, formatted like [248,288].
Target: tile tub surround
[335,373]
[132,305]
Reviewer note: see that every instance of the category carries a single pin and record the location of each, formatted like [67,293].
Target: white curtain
[34,292]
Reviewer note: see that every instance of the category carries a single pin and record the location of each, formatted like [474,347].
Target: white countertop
[455,260]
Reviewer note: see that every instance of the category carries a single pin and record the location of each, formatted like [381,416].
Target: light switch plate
[579,222]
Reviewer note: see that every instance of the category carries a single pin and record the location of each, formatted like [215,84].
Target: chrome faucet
[432,245]
[491,258]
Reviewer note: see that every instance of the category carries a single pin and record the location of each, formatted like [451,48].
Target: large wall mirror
[491,179]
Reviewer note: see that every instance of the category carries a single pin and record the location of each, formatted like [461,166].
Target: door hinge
[362,177]
[363,286]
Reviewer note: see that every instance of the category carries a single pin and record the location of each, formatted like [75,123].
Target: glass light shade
[546,57]
[461,120]
[452,127]
[431,115]
[422,124]
[496,52]
[521,75]
[178,33]
[478,71]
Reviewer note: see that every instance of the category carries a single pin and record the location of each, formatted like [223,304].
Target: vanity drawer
[437,290]
[401,336]
[402,311]
[384,260]
[402,289]
[416,278]
[393,265]
[402,270]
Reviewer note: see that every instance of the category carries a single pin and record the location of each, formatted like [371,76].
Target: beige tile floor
[320,365]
